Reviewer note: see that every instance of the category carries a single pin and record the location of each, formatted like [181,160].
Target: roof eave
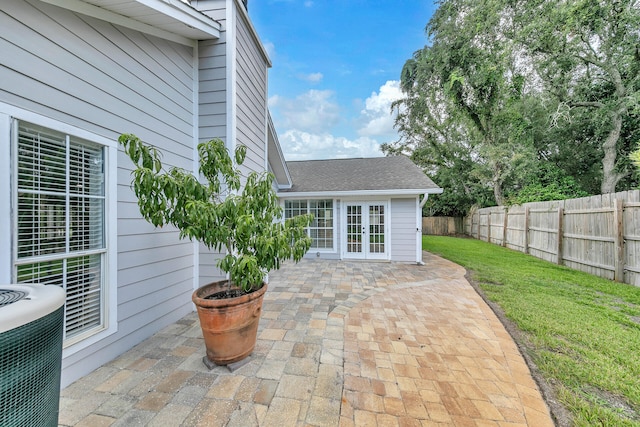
[274,148]
[185,24]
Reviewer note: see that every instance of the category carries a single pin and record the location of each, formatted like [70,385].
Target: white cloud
[307,124]
[314,111]
[312,78]
[301,145]
[376,119]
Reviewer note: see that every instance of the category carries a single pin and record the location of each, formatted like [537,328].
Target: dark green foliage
[526,98]
[242,220]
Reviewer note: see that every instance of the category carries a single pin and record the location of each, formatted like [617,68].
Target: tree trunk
[496,181]
[498,194]
[610,177]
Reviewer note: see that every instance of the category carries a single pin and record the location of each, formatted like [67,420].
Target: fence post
[489,227]
[504,227]
[526,229]
[478,232]
[618,224]
[560,233]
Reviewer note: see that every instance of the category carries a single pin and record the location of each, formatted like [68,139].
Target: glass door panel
[365,231]
[354,230]
[376,229]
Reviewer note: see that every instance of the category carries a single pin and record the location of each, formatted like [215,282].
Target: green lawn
[582,332]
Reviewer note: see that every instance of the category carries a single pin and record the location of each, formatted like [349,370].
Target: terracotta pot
[230,325]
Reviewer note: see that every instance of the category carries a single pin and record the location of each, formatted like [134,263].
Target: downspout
[231,76]
[419,230]
[196,139]
[424,200]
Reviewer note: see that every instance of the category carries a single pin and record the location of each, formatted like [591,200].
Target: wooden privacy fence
[442,225]
[599,234]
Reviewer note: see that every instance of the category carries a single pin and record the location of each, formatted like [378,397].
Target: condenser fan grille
[31,329]
[9,296]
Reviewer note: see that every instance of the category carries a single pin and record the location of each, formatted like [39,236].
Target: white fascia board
[253,32]
[197,25]
[274,144]
[360,193]
[277,186]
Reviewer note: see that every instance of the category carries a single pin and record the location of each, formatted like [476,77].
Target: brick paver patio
[340,343]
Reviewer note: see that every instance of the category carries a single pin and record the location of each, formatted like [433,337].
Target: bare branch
[593,104]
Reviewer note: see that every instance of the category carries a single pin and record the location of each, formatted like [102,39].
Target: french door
[365,230]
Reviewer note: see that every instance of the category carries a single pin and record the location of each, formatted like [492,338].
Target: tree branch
[594,104]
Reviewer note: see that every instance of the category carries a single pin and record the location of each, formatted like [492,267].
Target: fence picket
[597,234]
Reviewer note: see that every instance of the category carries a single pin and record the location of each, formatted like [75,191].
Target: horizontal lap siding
[212,117]
[111,80]
[251,98]
[403,230]
[212,91]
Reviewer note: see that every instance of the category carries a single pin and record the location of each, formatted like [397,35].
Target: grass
[582,332]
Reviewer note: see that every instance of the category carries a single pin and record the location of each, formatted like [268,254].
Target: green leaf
[245,225]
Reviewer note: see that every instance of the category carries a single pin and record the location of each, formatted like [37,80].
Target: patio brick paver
[340,343]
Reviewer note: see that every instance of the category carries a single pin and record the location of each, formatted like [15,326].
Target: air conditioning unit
[31,328]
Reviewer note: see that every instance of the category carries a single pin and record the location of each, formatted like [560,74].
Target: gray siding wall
[403,230]
[251,93]
[213,110]
[110,80]
[212,90]
[250,99]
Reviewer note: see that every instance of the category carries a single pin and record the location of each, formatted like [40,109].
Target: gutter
[355,193]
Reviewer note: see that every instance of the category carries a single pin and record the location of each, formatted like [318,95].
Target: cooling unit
[31,326]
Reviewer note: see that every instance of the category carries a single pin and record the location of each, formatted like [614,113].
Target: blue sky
[336,67]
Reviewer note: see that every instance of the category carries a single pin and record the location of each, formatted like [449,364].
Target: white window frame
[308,229]
[9,116]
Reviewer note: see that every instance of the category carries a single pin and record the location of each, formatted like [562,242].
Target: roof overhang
[172,20]
[277,164]
[357,193]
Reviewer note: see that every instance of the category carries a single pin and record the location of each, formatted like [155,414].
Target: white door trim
[367,248]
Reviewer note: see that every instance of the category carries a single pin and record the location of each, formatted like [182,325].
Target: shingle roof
[378,173]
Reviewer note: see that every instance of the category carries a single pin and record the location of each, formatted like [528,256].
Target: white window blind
[321,229]
[60,219]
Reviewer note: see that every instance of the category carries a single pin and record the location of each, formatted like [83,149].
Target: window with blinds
[60,216]
[321,229]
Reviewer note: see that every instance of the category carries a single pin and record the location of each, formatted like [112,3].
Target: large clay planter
[229,326]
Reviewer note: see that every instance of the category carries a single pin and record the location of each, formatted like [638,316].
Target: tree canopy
[522,100]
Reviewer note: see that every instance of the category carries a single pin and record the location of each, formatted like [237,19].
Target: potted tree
[243,222]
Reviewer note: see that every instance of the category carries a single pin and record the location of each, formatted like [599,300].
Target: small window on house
[321,229]
[60,217]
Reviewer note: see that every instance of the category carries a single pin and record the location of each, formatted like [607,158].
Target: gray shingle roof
[378,173]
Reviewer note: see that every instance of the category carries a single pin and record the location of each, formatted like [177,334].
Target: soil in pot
[230,293]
